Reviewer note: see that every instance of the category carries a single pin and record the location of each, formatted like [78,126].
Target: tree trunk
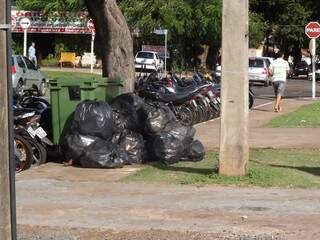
[203,57]
[117,46]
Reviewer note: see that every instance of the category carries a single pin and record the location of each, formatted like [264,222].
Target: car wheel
[42,89]
[20,88]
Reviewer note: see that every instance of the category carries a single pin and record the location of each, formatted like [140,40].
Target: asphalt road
[296,88]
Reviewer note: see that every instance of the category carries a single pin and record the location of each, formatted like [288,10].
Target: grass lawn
[268,168]
[304,117]
[69,75]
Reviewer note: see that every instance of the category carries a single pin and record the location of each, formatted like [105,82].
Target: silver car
[259,70]
[26,75]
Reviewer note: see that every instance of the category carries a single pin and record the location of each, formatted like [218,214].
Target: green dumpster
[66,94]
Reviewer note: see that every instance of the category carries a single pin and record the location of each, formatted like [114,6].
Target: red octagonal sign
[312,30]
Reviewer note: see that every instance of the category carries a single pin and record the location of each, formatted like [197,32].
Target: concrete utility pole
[234,148]
[7,200]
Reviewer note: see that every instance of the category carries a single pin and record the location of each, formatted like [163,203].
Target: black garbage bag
[103,154]
[119,121]
[116,137]
[158,116]
[125,108]
[195,153]
[167,148]
[124,156]
[133,144]
[185,134]
[74,145]
[94,119]
[127,99]
[173,143]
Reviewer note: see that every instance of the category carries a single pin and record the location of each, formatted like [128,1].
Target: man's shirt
[32,52]
[279,68]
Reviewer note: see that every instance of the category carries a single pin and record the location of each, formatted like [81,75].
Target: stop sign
[312,30]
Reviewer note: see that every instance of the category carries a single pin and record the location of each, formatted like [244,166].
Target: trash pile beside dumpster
[93,126]
[128,131]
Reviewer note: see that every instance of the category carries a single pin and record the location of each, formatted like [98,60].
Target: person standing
[32,53]
[279,71]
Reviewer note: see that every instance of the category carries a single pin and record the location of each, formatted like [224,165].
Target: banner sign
[57,22]
[156,48]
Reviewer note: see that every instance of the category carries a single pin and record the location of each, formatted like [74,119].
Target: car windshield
[147,55]
[30,64]
[20,62]
[256,63]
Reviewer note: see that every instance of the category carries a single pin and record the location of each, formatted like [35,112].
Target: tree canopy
[286,20]
[193,24]
[51,5]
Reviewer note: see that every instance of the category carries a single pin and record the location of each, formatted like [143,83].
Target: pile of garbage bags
[128,131]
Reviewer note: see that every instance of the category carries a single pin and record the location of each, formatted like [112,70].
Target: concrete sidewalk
[209,133]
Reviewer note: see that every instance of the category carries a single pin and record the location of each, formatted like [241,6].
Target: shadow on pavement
[261,110]
[312,170]
[202,171]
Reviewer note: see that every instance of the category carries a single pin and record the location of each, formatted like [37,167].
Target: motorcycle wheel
[185,116]
[202,112]
[195,116]
[25,151]
[211,112]
[251,100]
[216,108]
[39,153]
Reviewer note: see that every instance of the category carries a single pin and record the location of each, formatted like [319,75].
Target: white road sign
[25,23]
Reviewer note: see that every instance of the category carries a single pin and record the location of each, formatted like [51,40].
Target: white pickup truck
[148,61]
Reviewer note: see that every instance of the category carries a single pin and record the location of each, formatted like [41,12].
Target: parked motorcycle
[251,98]
[186,99]
[208,99]
[216,87]
[30,100]
[22,153]
[32,116]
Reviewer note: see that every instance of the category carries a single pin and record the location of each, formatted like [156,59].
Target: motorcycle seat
[19,113]
[180,96]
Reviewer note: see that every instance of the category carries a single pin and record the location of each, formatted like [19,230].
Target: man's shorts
[279,87]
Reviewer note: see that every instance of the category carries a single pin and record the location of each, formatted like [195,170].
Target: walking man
[32,53]
[279,71]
